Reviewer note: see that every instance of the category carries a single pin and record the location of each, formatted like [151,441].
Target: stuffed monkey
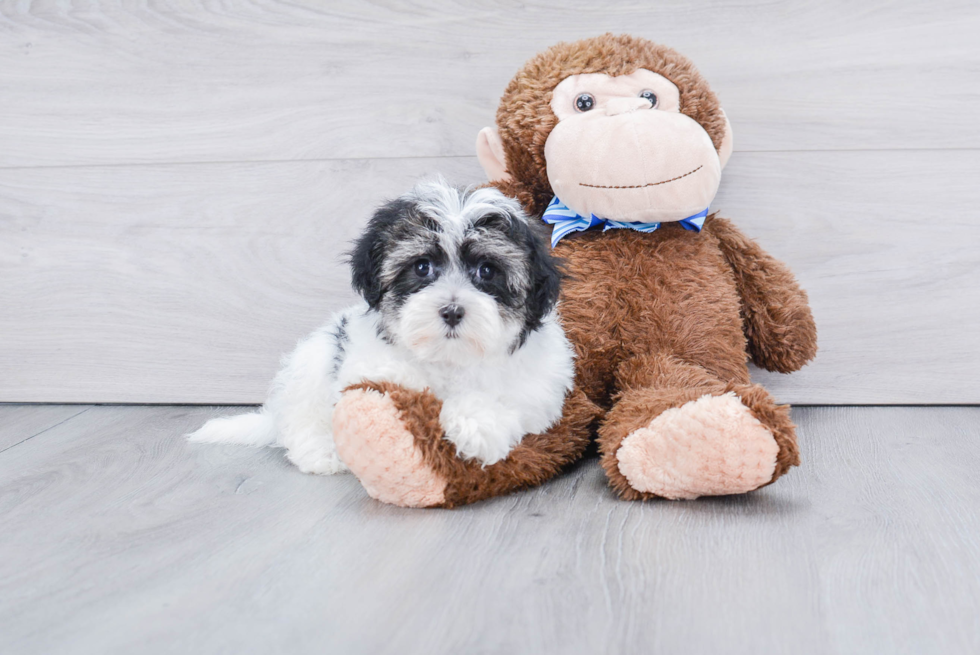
[618,144]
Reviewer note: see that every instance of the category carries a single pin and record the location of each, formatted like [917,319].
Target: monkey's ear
[490,152]
[725,151]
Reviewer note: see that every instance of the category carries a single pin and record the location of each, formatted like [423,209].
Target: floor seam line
[44,430]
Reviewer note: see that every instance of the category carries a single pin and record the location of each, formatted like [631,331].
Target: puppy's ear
[365,270]
[367,256]
[546,275]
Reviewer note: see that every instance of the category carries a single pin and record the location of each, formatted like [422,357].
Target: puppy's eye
[486,272]
[584,102]
[422,268]
[649,95]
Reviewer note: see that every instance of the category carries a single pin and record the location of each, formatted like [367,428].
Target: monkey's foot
[711,446]
[374,442]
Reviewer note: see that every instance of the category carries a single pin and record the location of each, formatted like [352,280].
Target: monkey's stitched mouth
[641,186]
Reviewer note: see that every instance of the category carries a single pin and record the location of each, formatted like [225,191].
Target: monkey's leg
[391,439]
[676,431]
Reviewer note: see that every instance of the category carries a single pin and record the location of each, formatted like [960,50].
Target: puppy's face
[456,275]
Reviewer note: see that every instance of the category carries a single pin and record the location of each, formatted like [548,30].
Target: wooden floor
[118,537]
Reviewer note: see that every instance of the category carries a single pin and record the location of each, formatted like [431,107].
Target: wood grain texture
[178,181]
[203,81]
[119,538]
[185,283]
[177,283]
[23,422]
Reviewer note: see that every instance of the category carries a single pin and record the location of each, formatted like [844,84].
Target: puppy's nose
[452,314]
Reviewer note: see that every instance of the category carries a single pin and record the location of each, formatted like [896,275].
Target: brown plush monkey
[619,144]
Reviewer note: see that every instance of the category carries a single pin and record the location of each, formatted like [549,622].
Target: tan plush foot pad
[373,442]
[711,446]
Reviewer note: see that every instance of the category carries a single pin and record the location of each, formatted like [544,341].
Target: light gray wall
[178,182]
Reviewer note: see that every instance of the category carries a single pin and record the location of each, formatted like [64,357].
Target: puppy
[459,297]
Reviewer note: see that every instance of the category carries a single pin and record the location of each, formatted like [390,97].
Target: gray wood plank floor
[117,537]
[23,422]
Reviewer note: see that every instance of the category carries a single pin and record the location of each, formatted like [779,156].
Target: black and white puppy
[459,297]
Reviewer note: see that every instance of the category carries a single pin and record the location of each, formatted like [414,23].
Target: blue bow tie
[567,221]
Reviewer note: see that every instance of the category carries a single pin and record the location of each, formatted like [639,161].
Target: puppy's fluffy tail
[254,429]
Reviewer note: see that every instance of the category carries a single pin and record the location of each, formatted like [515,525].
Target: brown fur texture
[670,306]
[539,457]
[657,319]
[775,310]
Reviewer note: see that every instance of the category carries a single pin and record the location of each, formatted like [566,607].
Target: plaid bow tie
[567,221]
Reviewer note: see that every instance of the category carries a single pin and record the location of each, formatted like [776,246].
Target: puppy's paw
[480,430]
[319,461]
[373,440]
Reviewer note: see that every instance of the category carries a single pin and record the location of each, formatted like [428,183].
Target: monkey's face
[622,149]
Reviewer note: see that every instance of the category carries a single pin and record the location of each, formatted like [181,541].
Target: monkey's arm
[778,324]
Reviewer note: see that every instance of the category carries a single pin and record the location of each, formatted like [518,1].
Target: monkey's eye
[649,95]
[584,102]
[486,272]
[422,268]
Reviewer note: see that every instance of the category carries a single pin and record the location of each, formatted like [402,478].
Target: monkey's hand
[776,315]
